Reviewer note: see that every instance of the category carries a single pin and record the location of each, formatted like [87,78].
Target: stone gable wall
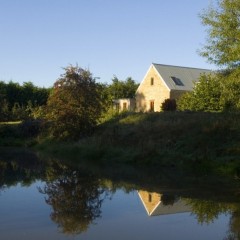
[146,92]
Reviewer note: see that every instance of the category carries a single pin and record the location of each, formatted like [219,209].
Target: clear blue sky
[109,37]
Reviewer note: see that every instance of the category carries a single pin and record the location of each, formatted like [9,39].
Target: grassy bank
[200,143]
[18,134]
[10,134]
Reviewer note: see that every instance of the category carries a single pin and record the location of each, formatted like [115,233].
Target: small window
[177,81]
[149,197]
[152,81]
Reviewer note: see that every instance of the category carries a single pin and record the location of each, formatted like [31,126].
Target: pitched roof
[179,78]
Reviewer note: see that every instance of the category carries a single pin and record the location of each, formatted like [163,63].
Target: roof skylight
[177,81]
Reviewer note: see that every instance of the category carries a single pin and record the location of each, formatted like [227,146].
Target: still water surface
[55,201]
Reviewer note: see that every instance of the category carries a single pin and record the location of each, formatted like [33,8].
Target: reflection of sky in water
[25,215]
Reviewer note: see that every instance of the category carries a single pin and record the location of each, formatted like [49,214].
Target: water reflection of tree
[75,198]
[207,211]
[234,224]
[19,167]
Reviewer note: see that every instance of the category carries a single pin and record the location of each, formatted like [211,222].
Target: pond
[52,200]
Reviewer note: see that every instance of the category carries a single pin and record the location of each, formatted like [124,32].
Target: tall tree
[223,40]
[75,104]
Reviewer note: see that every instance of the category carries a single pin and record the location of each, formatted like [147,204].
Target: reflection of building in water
[159,204]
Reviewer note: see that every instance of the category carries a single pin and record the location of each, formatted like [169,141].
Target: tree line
[72,107]
[18,101]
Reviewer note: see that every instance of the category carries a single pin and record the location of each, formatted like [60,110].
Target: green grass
[201,143]
[12,135]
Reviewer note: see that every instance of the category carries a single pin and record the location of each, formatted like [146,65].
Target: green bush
[169,105]
[214,93]
[231,90]
[206,95]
